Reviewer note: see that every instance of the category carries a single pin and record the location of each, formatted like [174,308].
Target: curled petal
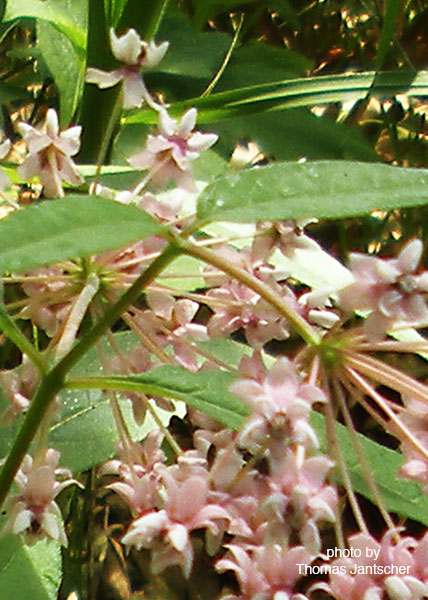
[103,79]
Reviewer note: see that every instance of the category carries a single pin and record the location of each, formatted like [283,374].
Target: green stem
[12,331]
[284,307]
[53,381]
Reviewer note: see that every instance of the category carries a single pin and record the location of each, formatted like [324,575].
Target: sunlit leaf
[326,189]
[294,93]
[72,227]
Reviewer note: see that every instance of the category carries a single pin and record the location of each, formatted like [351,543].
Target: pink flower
[169,154]
[389,288]
[174,318]
[139,482]
[49,154]
[280,401]
[33,511]
[137,55]
[356,582]
[416,420]
[266,572]
[167,531]
[18,386]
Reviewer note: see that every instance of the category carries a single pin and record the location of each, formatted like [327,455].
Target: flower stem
[284,307]
[12,331]
[76,315]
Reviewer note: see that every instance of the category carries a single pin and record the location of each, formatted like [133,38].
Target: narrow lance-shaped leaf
[207,391]
[391,13]
[73,227]
[325,189]
[293,93]
[400,496]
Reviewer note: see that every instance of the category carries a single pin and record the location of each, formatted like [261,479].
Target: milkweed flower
[389,288]
[169,154]
[50,153]
[33,511]
[136,55]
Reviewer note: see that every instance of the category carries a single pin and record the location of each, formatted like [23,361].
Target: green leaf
[327,190]
[65,65]
[68,16]
[207,391]
[291,134]
[86,433]
[294,93]
[72,227]
[191,53]
[400,496]
[113,11]
[29,571]
[257,62]
[392,11]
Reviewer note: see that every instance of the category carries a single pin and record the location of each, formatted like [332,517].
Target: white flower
[4,151]
[169,154]
[49,154]
[136,55]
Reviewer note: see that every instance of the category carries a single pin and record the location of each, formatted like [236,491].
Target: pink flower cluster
[261,511]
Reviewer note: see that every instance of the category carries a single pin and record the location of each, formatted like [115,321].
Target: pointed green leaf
[293,93]
[390,19]
[72,227]
[325,189]
[400,496]
[66,66]
[207,391]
